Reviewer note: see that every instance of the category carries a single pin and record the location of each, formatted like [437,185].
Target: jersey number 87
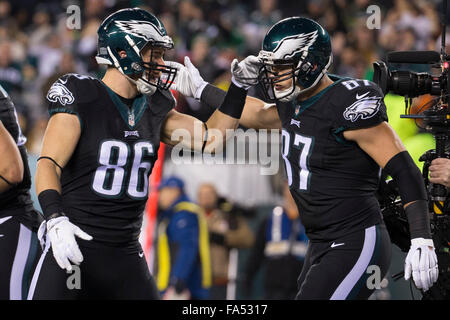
[304,144]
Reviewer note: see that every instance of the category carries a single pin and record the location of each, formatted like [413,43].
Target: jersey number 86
[113,170]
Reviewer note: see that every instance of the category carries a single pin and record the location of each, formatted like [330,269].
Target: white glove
[245,73]
[61,233]
[421,261]
[188,80]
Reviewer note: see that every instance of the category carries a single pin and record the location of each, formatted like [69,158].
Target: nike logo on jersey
[2,220]
[141,254]
[131,133]
[362,96]
[334,245]
[295,122]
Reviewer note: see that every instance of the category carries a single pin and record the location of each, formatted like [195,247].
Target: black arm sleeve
[212,96]
[412,189]
[234,101]
[404,171]
[419,223]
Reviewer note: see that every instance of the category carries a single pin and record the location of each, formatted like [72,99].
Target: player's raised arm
[209,136]
[260,115]
[11,166]
[256,114]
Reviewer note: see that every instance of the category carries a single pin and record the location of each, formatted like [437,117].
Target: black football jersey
[332,180]
[105,183]
[18,196]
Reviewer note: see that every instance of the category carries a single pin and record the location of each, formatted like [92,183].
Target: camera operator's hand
[440,171]
[421,262]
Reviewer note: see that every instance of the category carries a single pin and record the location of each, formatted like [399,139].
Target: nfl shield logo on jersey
[131,119]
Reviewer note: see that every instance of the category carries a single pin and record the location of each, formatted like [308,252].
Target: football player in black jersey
[99,148]
[335,140]
[19,220]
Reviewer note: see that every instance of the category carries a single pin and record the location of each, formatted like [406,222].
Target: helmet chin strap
[283,95]
[142,86]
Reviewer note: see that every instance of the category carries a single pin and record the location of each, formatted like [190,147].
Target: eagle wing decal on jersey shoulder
[59,93]
[364,108]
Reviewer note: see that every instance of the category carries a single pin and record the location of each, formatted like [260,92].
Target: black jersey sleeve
[161,102]
[358,104]
[8,117]
[69,92]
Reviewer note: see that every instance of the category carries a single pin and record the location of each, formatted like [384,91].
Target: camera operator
[440,171]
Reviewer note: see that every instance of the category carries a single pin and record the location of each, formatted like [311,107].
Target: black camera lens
[405,83]
[411,84]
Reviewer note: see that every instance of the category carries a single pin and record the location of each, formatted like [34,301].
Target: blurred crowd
[37,46]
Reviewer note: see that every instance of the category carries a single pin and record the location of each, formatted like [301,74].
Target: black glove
[217,238]
[179,286]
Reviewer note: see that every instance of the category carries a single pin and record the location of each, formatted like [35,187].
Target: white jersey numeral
[110,175]
[304,144]
[353,84]
[138,186]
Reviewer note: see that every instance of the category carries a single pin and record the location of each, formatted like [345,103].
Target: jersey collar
[305,104]
[132,115]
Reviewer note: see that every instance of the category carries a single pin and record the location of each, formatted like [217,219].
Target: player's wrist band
[234,101]
[55,215]
[51,203]
[212,96]
[4,179]
[205,137]
[51,161]
[198,93]
[419,221]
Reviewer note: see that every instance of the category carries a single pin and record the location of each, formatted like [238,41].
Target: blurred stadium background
[37,47]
